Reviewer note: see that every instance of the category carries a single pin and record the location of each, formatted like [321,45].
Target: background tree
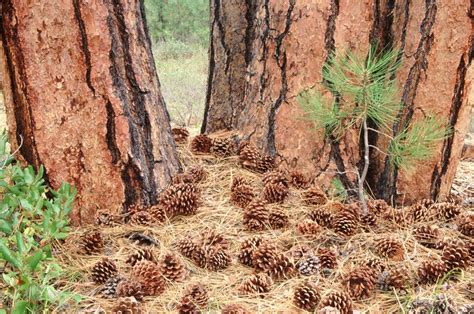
[83,98]
[287,42]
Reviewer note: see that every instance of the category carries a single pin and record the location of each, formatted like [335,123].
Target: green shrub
[32,218]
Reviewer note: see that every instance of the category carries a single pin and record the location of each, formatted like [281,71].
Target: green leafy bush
[32,218]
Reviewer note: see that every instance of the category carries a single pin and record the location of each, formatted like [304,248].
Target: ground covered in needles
[235,234]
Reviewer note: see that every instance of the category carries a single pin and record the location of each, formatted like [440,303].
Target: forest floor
[217,213]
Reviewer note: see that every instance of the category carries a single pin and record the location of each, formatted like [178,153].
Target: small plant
[32,218]
[364,92]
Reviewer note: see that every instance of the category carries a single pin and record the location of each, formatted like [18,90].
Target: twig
[366,168]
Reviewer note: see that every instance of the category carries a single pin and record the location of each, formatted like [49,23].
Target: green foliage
[30,222]
[184,21]
[337,190]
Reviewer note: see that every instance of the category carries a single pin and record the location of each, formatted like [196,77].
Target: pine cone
[377,207]
[213,239]
[282,268]
[275,177]
[192,251]
[180,199]
[369,219]
[157,213]
[103,270]
[107,218]
[327,258]
[109,291]
[256,284]
[306,297]
[198,173]
[375,263]
[345,222]
[421,211]
[255,216]
[427,235]
[314,196]
[129,288]
[242,195]
[247,249]
[172,268]
[390,248]
[180,135]
[201,144]
[466,224]
[140,254]
[149,276]
[398,277]
[218,259]
[266,164]
[235,309]
[236,181]
[278,219]
[141,218]
[197,293]
[265,256]
[127,305]
[275,192]
[322,216]
[400,217]
[308,228]
[182,178]
[223,147]
[446,210]
[430,271]
[456,255]
[187,306]
[339,300]
[308,265]
[298,179]
[249,156]
[360,282]
[91,243]
[299,251]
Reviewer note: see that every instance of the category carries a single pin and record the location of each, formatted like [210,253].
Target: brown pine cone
[360,282]
[421,211]
[242,195]
[172,268]
[345,222]
[275,177]
[198,173]
[201,144]
[235,309]
[327,258]
[223,147]
[377,207]
[375,263]
[466,224]
[157,213]
[128,305]
[180,135]
[266,164]
[298,180]
[314,196]
[255,216]
[148,275]
[275,192]
[103,270]
[249,156]
[338,300]
[182,178]
[427,235]
[107,218]
[390,248]
[140,254]
[218,259]
[129,288]
[91,243]
[456,255]
[430,271]
[265,256]
[446,210]
[197,293]
[308,228]
[109,291]
[212,239]
[236,181]
[141,218]
[369,219]
[399,217]
[399,278]
[281,268]
[180,199]
[187,306]
[323,216]
[247,249]
[278,219]
[256,284]
[308,265]
[193,251]
[306,297]
[299,251]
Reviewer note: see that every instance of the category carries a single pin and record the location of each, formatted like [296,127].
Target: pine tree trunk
[286,44]
[83,98]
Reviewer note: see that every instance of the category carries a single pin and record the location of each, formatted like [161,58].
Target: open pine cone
[421,211]
[255,216]
[218,259]
[180,199]
[399,217]
[278,219]
[141,218]
[256,284]
[149,276]
[308,265]
[193,251]
[109,291]
[241,195]
[456,255]
[327,258]
[223,147]
[103,270]
[91,243]
[140,254]
[377,206]
[275,177]
[346,221]
[264,256]
[172,268]
[128,305]
[107,218]
[390,248]
[235,309]
[314,196]
[212,239]
[180,135]
[360,282]
[281,268]
[201,144]
[197,293]
[466,224]
[398,277]
[275,192]
[249,156]
[430,271]
[187,306]
[298,179]
[306,297]
[338,300]
[247,249]
[129,288]
[323,216]
[266,164]
[428,235]
[446,210]
[308,228]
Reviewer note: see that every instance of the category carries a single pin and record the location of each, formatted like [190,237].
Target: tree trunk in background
[82,91]
[286,44]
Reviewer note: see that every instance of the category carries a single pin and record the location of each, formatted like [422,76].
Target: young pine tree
[363,90]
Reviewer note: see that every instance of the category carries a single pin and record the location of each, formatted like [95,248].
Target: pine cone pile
[201,144]
[399,217]
[298,179]
[306,297]
[180,199]
[129,288]
[242,193]
[360,282]
[275,188]
[180,135]
[430,271]
[128,305]
[223,147]
[256,284]
[390,248]
[91,243]
[338,300]
[255,217]
[268,258]
[172,268]
[149,276]
[103,270]
[314,196]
